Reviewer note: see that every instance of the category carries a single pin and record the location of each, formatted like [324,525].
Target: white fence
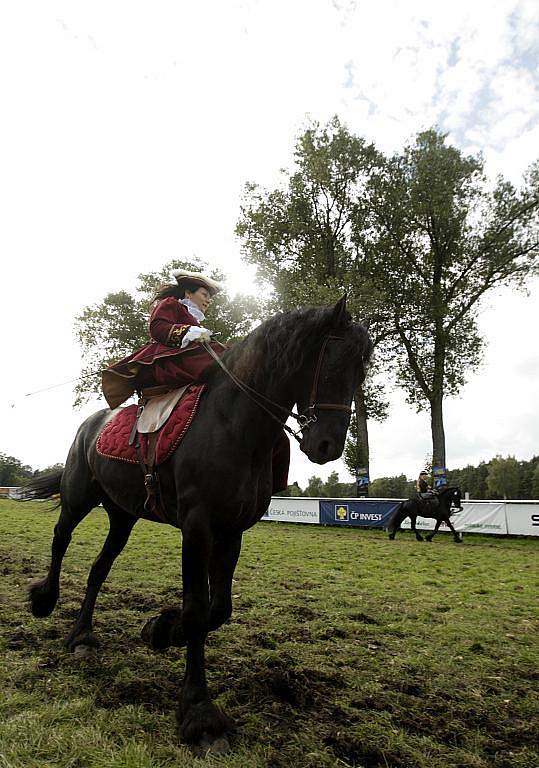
[519,518]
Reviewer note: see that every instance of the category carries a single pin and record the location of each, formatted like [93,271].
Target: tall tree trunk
[437,429]
[362,430]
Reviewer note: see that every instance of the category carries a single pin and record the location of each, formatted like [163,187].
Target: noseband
[304,419]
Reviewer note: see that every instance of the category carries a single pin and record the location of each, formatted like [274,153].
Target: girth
[154,408]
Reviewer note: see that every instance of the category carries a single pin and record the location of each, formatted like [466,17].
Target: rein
[259,399]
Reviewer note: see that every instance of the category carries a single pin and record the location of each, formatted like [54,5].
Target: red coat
[162,361]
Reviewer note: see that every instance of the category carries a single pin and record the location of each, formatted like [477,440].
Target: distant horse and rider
[438,505]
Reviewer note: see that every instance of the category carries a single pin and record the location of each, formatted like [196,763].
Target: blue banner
[372,513]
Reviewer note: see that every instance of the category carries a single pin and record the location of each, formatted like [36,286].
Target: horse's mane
[278,348]
[451,488]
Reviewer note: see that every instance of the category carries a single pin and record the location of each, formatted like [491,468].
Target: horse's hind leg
[79,494]
[395,523]
[76,503]
[413,519]
[81,638]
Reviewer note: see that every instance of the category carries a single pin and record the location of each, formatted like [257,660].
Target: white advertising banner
[293,510]
[493,517]
[522,518]
[476,517]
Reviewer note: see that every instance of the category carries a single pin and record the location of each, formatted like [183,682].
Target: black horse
[439,506]
[215,486]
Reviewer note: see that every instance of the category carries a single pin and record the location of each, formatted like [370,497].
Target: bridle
[308,415]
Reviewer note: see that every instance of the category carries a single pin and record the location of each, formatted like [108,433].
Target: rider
[424,489]
[173,358]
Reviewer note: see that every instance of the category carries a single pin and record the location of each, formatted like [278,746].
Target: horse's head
[335,369]
[454,497]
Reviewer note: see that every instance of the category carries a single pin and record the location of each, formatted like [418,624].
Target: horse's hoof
[428,538]
[84,651]
[42,600]
[205,728]
[458,541]
[164,630]
[81,639]
[209,747]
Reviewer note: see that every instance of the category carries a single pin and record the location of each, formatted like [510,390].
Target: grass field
[345,649]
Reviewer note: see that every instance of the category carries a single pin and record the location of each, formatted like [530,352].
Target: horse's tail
[43,487]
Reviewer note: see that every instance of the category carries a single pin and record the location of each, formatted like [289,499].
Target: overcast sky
[128,132]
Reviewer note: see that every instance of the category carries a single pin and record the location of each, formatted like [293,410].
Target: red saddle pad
[113,440]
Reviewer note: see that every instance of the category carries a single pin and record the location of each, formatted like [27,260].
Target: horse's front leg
[456,535]
[200,722]
[413,519]
[166,629]
[226,552]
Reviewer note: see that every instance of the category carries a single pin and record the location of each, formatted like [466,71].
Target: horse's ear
[366,323]
[338,314]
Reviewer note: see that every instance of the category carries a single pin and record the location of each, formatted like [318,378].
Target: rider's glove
[196,333]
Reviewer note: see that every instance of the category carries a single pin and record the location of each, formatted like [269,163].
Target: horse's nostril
[324,447]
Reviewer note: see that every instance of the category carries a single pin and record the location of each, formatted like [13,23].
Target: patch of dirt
[279,680]
[135,601]
[332,633]
[21,638]
[353,753]
[363,617]
[302,612]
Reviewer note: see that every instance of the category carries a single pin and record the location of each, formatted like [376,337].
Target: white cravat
[193,309]
[195,332]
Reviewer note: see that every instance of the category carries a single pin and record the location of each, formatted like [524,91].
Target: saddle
[428,501]
[148,433]
[155,406]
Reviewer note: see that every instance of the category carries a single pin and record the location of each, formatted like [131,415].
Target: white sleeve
[196,333]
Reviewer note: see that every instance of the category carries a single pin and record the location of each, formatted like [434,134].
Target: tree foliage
[398,487]
[503,479]
[300,237]
[438,236]
[12,472]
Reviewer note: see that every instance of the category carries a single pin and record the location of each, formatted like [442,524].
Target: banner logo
[341,513]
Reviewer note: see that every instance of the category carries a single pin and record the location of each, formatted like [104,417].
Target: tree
[299,236]
[503,477]
[12,472]
[438,236]
[295,490]
[535,482]
[332,487]
[58,467]
[118,325]
[315,487]
[397,487]
[471,480]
